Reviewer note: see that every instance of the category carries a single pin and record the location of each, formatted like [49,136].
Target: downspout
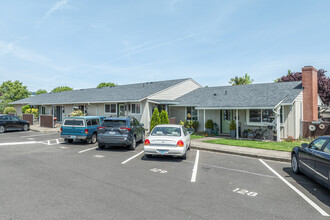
[237,124]
[277,112]
[204,120]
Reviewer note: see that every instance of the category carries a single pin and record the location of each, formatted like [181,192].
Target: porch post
[278,124]
[236,123]
[204,120]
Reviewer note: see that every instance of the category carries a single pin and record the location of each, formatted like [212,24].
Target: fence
[315,129]
[29,118]
[172,120]
[46,121]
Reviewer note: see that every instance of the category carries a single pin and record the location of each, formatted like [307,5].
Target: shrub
[155,119]
[77,113]
[209,124]
[164,117]
[188,124]
[24,108]
[181,123]
[232,125]
[33,111]
[195,124]
[9,110]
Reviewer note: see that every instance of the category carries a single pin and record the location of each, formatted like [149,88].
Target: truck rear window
[74,122]
[114,123]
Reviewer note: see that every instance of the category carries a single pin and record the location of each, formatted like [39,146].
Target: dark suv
[120,131]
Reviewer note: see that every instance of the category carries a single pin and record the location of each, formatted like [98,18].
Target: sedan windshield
[166,131]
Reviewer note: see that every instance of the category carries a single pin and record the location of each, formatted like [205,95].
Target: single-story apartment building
[137,100]
[287,104]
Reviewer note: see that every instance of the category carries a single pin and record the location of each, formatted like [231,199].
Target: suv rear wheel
[133,145]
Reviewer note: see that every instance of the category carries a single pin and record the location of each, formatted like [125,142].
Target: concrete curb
[242,154]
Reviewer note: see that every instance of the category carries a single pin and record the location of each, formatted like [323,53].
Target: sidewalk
[243,151]
[37,128]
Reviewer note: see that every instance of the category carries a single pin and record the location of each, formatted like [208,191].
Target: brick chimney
[309,83]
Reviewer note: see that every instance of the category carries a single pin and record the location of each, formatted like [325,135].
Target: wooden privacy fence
[46,121]
[29,118]
[315,129]
[172,120]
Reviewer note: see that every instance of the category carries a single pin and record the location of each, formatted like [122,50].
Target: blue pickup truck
[81,128]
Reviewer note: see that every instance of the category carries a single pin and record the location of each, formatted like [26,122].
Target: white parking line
[296,190]
[93,148]
[194,173]
[19,143]
[132,157]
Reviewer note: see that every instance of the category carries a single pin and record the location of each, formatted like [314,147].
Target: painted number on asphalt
[245,192]
[158,170]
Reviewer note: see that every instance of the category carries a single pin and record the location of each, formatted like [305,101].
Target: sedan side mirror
[304,145]
[190,132]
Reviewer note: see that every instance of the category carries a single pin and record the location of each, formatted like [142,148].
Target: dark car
[120,131]
[9,122]
[313,160]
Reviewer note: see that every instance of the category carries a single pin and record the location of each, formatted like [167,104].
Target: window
[89,122]
[114,123]
[111,108]
[226,115]
[74,122]
[136,108]
[268,115]
[327,148]
[14,118]
[255,115]
[166,131]
[95,121]
[317,144]
[192,114]
[264,115]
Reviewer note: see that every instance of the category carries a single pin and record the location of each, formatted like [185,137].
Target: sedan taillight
[180,143]
[147,142]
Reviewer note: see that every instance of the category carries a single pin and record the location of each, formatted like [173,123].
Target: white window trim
[261,123]
[132,108]
[110,107]
[185,113]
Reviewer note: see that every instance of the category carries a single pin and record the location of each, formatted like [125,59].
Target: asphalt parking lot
[44,178]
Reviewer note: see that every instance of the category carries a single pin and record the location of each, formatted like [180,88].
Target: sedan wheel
[184,156]
[294,164]
[133,145]
[25,127]
[2,129]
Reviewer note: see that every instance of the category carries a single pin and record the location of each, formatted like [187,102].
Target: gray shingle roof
[130,92]
[266,95]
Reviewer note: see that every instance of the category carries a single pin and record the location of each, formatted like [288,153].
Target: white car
[171,140]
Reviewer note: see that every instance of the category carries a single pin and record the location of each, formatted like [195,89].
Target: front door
[58,113]
[121,111]
[226,117]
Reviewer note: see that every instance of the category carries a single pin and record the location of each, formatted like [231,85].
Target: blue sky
[51,43]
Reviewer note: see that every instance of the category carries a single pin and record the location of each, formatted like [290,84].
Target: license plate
[112,132]
[163,151]
[72,136]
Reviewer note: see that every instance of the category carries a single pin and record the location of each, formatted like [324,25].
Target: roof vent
[214,94]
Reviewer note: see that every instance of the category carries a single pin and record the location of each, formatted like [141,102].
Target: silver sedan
[171,140]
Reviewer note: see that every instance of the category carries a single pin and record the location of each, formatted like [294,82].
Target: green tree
[155,119]
[12,91]
[62,89]
[104,84]
[41,91]
[164,117]
[244,80]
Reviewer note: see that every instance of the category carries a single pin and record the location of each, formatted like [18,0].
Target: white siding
[176,91]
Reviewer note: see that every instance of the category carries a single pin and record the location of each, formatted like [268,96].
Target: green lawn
[280,146]
[196,136]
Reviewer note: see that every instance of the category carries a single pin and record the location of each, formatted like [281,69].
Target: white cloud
[58,5]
